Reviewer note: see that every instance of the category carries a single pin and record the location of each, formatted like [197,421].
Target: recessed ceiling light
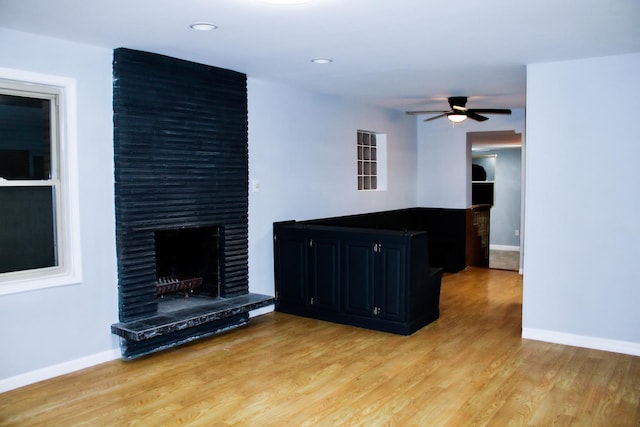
[203,26]
[322,60]
[285,2]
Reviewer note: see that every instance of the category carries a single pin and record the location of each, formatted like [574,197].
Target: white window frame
[64,173]
[381,161]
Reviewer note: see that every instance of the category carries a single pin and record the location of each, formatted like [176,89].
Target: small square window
[367,162]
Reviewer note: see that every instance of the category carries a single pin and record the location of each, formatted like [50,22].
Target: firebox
[187,261]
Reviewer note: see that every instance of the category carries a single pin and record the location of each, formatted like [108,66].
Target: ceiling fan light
[457,118]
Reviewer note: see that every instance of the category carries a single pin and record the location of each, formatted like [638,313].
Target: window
[39,244]
[372,149]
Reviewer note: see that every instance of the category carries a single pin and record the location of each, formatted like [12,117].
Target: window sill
[42,279]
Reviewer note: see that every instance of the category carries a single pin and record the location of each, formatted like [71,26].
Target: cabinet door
[324,272]
[391,283]
[357,277]
[290,257]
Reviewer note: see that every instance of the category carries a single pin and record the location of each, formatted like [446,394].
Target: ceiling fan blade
[476,117]
[458,108]
[490,110]
[435,117]
[416,113]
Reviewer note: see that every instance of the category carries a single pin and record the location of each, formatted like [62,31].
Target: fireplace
[187,261]
[181,199]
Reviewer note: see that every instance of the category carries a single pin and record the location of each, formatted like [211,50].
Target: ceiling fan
[459,112]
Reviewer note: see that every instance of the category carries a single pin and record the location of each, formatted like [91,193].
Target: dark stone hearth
[188,313]
[181,320]
[135,349]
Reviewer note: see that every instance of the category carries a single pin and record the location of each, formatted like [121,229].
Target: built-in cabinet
[374,276]
[307,268]
[377,279]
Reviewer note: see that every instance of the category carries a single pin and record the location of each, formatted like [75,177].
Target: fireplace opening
[187,262]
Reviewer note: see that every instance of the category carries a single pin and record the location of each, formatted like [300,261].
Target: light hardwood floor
[468,368]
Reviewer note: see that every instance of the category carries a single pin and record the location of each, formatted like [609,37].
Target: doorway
[500,155]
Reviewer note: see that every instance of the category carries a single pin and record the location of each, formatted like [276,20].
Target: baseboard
[261,311]
[504,248]
[624,347]
[38,375]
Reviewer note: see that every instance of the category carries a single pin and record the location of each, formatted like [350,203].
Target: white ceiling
[401,54]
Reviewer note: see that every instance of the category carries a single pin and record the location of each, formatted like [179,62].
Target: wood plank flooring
[469,368]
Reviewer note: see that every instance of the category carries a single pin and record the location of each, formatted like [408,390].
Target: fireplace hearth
[181,320]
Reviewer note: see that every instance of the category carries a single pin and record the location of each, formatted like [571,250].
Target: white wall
[581,281]
[302,150]
[48,331]
[444,160]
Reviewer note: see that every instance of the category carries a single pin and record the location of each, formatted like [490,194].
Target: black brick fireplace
[181,180]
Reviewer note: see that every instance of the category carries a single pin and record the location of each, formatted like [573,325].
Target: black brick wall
[181,160]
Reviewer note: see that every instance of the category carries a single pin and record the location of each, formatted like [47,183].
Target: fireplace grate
[170,284]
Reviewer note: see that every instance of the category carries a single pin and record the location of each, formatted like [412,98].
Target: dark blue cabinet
[374,275]
[357,275]
[324,272]
[307,270]
[376,279]
[291,267]
[391,292]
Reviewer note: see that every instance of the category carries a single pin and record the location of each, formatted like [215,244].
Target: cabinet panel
[291,267]
[357,277]
[391,283]
[324,273]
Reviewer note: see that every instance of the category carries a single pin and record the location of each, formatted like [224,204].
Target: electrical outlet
[517,232]
[255,185]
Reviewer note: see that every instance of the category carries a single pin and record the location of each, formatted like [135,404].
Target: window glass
[367,160]
[27,234]
[25,138]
